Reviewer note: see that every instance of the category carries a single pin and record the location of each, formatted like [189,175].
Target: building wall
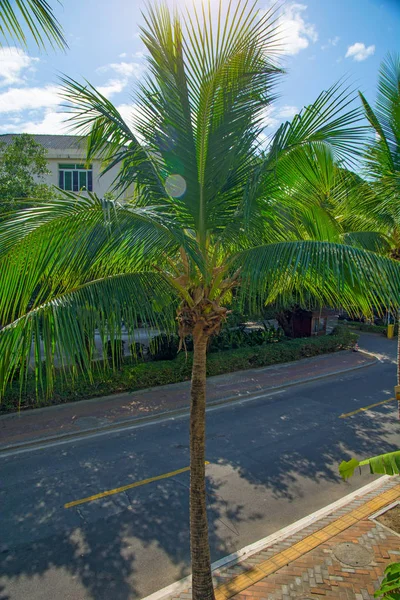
[101,185]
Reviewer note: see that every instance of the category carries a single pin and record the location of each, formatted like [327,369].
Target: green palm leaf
[384,464]
[39,19]
[332,273]
[63,329]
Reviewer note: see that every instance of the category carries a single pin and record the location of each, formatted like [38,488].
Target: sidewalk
[121,410]
[342,556]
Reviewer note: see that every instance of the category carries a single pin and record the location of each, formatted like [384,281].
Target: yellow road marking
[127,487]
[350,414]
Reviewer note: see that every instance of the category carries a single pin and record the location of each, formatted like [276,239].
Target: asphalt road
[272,461]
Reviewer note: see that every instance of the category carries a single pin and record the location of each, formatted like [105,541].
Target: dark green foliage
[164,347]
[135,375]
[240,337]
[23,165]
[139,351]
[369,327]
[115,352]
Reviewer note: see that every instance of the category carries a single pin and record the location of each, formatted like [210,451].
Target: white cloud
[267,118]
[51,122]
[122,55]
[13,62]
[331,42]
[273,116]
[17,99]
[130,112]
[114,86]
[359,51]
[288,112]
[123,68]
[296,32]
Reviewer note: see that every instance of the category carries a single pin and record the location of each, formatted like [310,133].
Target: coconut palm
[378,204]
[206,221]
[37,16]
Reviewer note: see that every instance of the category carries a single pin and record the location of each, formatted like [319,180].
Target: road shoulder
[77,419]
[301,559]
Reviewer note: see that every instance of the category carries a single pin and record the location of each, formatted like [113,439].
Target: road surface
[272,461]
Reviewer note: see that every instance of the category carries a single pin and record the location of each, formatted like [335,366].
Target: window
[75,177]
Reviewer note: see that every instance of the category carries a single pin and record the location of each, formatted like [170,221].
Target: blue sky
[325,40]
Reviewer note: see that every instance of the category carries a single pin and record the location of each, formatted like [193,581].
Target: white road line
[278,536]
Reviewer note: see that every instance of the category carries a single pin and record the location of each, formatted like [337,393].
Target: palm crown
[378,205]
[211,213]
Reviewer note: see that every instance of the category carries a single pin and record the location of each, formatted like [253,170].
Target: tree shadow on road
[290,448]
[92,551]
[100,550]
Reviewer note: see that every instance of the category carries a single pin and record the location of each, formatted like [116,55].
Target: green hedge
[369,328]
[131,377]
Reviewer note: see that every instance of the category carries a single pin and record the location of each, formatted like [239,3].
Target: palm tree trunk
[202,586]
[398,362]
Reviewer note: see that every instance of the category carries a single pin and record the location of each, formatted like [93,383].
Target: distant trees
[23,166]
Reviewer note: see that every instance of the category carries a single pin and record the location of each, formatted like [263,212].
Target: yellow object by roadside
[390,331]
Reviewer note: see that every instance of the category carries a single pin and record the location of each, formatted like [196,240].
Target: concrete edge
[137,421]
[278,536]
[381,512]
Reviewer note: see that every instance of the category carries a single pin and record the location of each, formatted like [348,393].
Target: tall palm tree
[36,16]
[206,219]
[380,200]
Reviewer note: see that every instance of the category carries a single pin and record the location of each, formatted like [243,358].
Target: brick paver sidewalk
[305,565]
[120,409]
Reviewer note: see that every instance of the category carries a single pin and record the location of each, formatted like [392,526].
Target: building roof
[52,142]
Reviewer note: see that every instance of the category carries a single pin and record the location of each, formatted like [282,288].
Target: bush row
[369,327]
[164,347]
[136,376]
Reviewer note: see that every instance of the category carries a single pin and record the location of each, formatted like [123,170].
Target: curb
[134,422]
[246,552]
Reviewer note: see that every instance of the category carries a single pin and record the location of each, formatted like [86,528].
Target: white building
[66,162]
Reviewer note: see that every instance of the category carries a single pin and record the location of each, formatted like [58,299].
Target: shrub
[115,352]
[164,347]
[240,337]
[369,327]
[135,376]
[139,351]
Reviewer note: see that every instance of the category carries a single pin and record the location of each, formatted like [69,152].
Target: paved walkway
[122,409]
[341,556]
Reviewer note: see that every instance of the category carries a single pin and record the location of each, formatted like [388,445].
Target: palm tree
[380,201]
[38,18]
[206,220]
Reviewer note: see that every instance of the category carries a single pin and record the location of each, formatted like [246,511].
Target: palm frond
[332,274]
[388,101]
[330,121]
[63,329]
[111,138]
[375,241]
[37,16]
[53,248]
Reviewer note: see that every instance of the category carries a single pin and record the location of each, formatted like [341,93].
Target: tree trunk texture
[398,360]
[202,586]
